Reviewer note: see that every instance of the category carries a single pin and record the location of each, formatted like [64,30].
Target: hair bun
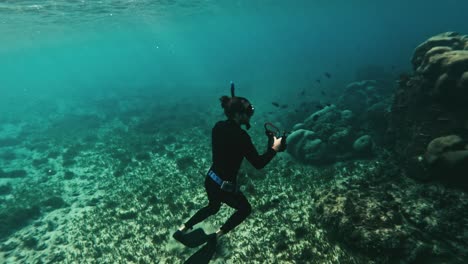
[225,101]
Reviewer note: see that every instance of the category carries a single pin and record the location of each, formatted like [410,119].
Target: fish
[319,106]
[328,104]
[318,81]
[322,92]
[315,118]
[328,75]
[284,106]
[275,104]
[302,93]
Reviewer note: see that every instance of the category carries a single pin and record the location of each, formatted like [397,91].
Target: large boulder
[447,159]
[327,136]
[429,104]
[305,146]
[369,101]
[358,96]
[443,62]
[363,145]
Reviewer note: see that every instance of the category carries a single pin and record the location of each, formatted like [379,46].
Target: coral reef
[442,61]
[339,132]
[448,154]
[430,104]
[391,217]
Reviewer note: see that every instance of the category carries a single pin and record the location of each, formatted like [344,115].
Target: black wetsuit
[230,144]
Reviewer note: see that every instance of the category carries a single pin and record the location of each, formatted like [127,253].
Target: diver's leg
[198,237]
[202,214]
[214,203]
[239,202]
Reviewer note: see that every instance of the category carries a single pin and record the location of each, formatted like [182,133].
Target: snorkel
[232,89]
[248,109]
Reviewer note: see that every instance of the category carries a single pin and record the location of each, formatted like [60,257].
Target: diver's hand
[276,144]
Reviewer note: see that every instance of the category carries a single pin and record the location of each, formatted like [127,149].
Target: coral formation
[430,104]
[442,60]
[447,160]
[335,133]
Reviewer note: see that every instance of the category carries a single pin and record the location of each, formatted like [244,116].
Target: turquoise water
[84,45]
[106,109]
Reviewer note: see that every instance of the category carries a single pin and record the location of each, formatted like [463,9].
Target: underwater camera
[272,131]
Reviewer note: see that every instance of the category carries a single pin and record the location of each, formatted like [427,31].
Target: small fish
[328,75]
[318,81]
[323,93]
[284,106]
[302,93]
[270,113]
[275,104]
[315,118]
[328,104]
[319,106]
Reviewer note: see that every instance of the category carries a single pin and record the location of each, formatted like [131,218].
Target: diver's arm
[251,153]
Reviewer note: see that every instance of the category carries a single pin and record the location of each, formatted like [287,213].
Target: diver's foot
[193,239]
[205,253]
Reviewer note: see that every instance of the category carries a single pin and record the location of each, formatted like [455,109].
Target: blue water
[82,121]
[81,46]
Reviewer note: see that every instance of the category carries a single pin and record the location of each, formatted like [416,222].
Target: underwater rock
[325,136]
[447,159]
[357,96]
[438,146]
[443,62]
[431,103]
[385,215]
[339,139]
[368,100]
[363,145]
[364,221]
[314,150]
[347,116]
[297,136]
[298,126]
[326,115]
[444,41]
[305,146]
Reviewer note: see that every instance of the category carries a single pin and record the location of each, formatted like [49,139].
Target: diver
[230,145]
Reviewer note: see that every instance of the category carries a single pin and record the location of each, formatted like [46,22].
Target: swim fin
[193,239]
[204,254]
